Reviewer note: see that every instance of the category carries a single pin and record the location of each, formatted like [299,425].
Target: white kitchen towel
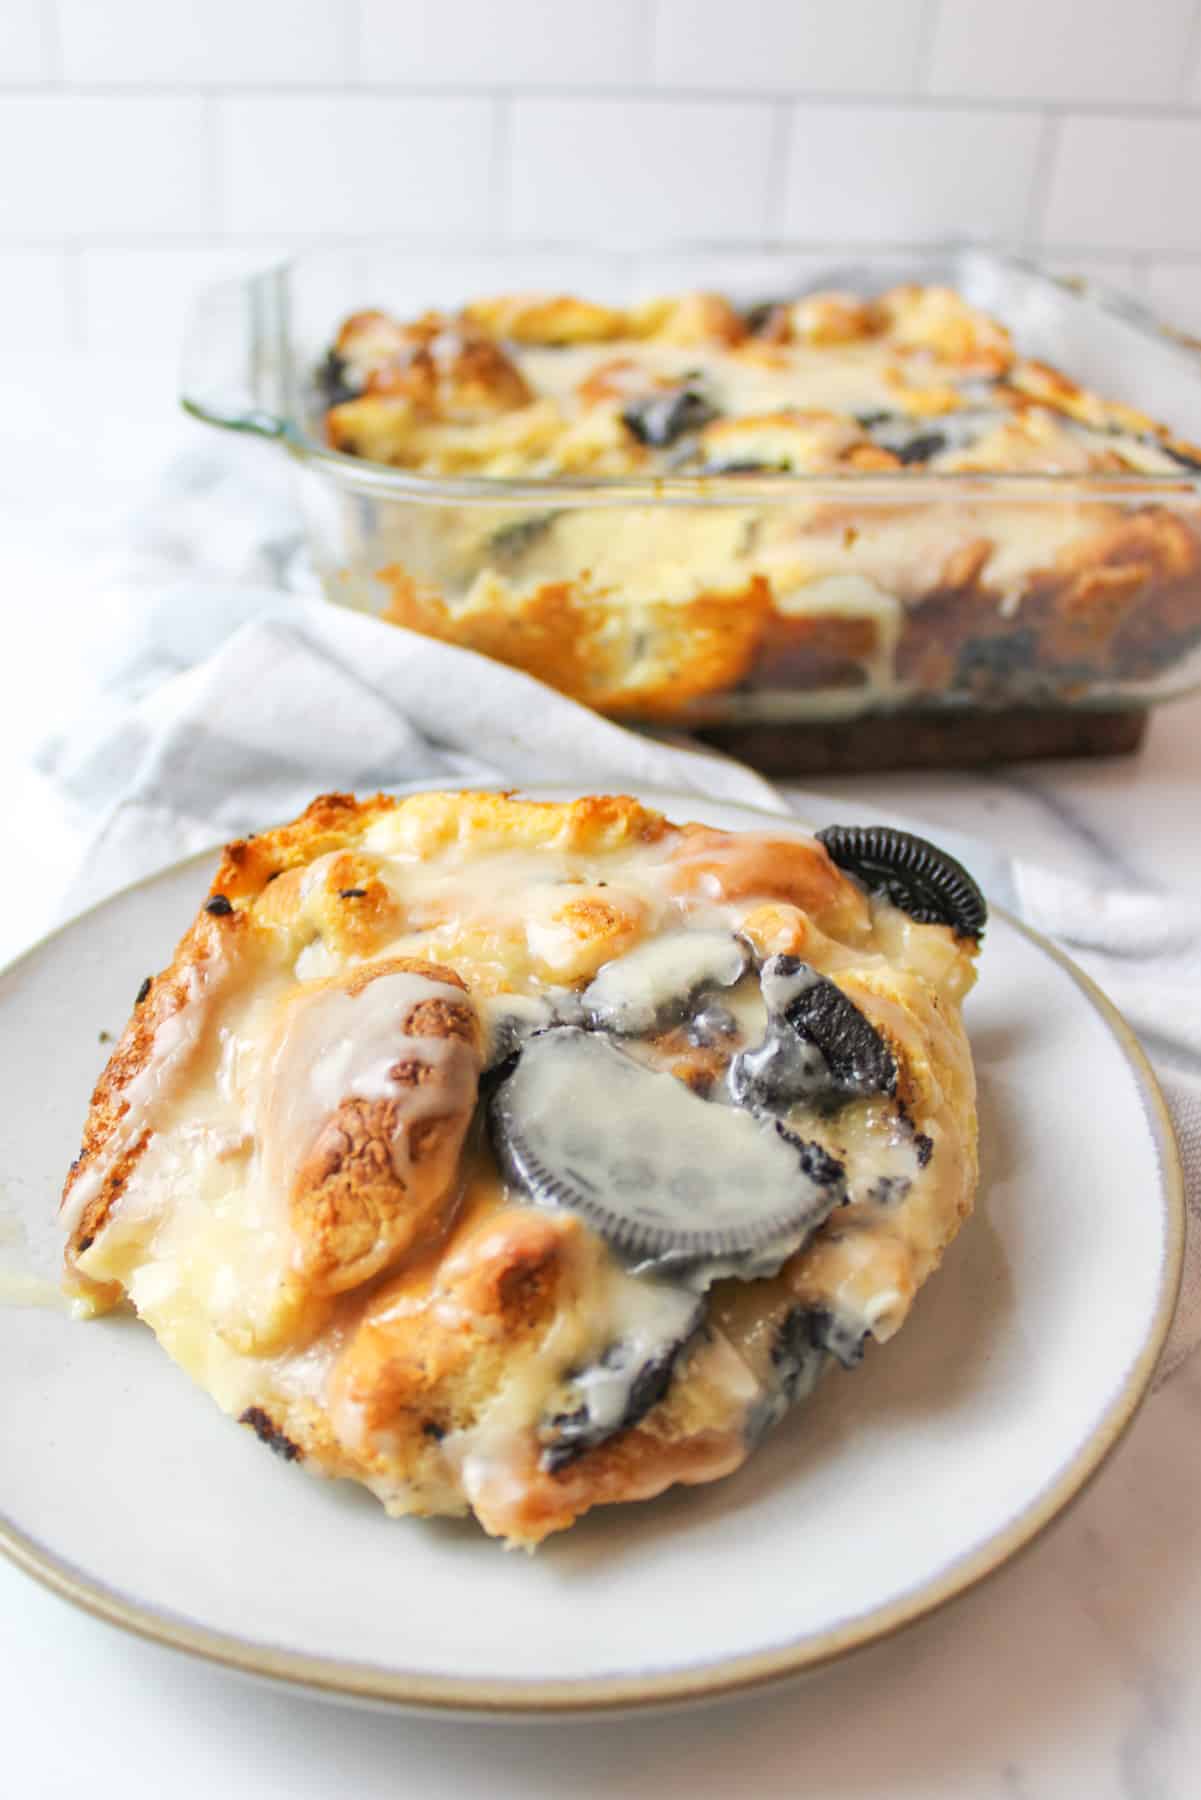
[291,696]
[1144,952]
[171,754]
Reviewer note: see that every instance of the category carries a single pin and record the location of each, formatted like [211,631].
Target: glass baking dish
[889,616]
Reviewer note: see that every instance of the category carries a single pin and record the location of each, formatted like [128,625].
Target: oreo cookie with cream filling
[669,1180]
[909,872]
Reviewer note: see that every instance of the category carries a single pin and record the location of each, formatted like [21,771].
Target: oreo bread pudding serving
[516,1158]
[840,506]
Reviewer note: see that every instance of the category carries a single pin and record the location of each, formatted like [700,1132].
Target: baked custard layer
[514,1157]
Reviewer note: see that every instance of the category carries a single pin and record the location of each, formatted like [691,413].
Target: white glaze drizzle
[635,990]
[338,1046]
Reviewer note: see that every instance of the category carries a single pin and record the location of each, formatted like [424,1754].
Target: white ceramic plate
[895,1488]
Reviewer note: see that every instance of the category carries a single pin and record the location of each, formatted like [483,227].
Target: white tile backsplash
[25,41]
[229,42]
[1113,50]
[82,166]
[356,164]
[783,46]
[1125,184]
[140,300]
[147,143]
[656,170]
[890,174]
[482,43]
[418,279]
[35,294]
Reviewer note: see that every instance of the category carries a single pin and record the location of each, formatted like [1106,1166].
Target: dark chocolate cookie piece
[658,983]
[661,419]
[669,1180]
[818,1048]
[615,1393]
[911,873]
[334,380]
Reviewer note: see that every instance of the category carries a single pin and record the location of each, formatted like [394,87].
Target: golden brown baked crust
[375,1182]
[293,1104]
[835,603]
[920,348]
[652,663]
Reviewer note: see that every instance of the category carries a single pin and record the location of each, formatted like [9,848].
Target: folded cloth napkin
[223,710]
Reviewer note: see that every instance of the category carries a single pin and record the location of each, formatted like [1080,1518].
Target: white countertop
[1075,1672]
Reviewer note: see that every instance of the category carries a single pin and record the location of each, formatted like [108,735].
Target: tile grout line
[923,48]
[355,44]
[52,40]
[500,185]
[779,155]
[650,43]
[1190,62]
[486,243]
[1117,108]
[215,130]
[1042,175]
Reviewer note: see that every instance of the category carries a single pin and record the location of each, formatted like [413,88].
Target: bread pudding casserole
[515,1158]
[751,596]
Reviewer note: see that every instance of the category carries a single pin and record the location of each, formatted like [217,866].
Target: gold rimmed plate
[897,1487]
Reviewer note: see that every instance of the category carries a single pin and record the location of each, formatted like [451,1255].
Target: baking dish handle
[233,367]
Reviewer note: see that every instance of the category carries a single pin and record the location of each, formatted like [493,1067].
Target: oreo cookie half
[671,1181]
[911,873]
